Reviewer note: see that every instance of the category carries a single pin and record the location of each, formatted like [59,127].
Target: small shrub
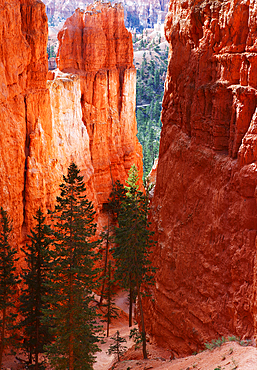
[117,348]
[233,339]
[218,342]
[215,343]
[137,337]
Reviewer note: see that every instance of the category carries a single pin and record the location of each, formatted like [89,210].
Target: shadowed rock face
[43,127]
[204,207]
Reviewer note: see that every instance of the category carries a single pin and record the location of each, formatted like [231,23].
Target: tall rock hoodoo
[204,209]
[46,124]
[35,149]
[96,46]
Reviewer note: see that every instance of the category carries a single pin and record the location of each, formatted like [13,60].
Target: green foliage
[8,284]
[133,237]
[117,196]
[137,337]
[34,290]
[133,243]
[215,343]
[50,51]
[117,348]
[150,87]
[218,342]
[132,181]
[71,313]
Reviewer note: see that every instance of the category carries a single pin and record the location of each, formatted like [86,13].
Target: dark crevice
[121,78]
[26,152]
[90,126]
[108,87]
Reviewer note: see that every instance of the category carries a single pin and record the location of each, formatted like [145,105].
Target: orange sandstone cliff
[36,148]
[204,209]
[42,122]
[24,99]
[96,46]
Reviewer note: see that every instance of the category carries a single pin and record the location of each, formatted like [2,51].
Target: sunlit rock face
[204,208]
[45,122]
[95,45]
[23,99]
[41,124]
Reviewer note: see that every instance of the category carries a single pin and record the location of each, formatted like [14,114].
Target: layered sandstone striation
[204,209]
[41,115]
[96,46]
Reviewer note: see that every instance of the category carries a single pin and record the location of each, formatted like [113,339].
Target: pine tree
[118,194]
[35,278]
[117,348]
[136,336]
[109,294]
[133,238]
[8,284]
[73,277]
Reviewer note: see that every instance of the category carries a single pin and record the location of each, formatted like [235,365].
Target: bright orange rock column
[95,45]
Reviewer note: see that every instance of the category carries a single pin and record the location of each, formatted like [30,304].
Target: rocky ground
[229,356]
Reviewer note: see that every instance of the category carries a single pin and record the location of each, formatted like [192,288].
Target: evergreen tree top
[73,172]
[132,180]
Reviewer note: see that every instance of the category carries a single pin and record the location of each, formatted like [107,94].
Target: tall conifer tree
[117,196]
[8,284]
[133,238]
[73,277]
[32,299]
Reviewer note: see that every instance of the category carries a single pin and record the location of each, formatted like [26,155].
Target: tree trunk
[105,263]
[38,293]
[108,312]
[71,352]
[71,298]
[2,337]
[142,319]
[109,300]
[37,341]
[71,335]
[118,349]
[131,298]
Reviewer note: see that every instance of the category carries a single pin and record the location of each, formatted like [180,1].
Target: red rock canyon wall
[42,126]
[204,208]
